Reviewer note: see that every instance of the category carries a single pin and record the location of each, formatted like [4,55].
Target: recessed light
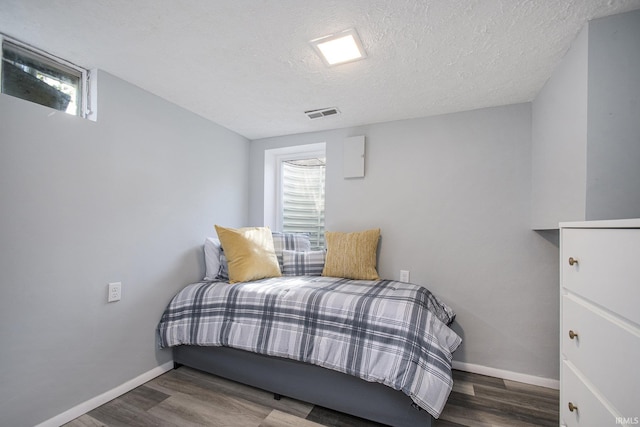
[339,48]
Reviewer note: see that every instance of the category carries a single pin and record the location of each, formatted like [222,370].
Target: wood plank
[478,379]
[119,413]
[497,411]
[282,419]
[466,416]
[183,410]
[533,389]
[144,397]
[462,386]
[328,417]
[445,423]
[543,406]
[198,383]
[85,421]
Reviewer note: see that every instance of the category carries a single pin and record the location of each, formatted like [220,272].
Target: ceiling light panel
[339,48]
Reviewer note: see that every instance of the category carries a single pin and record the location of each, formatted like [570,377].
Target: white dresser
[600,323]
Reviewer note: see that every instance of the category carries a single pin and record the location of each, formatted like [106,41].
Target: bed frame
[309,383]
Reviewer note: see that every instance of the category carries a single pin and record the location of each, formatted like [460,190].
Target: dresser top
[613,223]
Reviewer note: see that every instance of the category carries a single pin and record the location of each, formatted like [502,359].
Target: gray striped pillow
[291,242]
[302,263]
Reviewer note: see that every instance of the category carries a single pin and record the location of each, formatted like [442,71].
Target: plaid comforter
[382,331]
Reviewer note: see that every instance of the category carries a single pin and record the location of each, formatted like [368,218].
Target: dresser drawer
[604,351]
[607,268]
[590,410]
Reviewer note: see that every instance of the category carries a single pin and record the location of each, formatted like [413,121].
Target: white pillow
[211,258]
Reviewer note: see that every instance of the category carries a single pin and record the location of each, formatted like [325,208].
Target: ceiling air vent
[323,112]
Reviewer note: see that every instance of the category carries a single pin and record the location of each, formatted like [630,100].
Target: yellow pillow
[249,252]
[352,255]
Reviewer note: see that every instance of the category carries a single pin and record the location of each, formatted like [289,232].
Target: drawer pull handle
[572,334]
[572,261]
[572,407]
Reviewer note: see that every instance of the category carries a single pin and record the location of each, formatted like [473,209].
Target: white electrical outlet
[115,292]
[404,276]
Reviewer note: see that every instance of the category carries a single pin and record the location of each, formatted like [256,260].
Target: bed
[377,349]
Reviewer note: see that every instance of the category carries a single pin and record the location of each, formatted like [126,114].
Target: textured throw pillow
[307,263]
[249,252]
[291,242]
[352,255]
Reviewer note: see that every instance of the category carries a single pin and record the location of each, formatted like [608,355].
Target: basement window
[294,181]
[302,197]
[33,75]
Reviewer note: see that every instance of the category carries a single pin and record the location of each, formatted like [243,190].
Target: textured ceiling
[247,64]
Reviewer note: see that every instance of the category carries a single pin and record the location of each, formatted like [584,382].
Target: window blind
[303,198]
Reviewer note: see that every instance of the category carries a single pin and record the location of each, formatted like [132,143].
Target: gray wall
[129,198]
[586,128]
[613,153]
[559,135]
[452,197]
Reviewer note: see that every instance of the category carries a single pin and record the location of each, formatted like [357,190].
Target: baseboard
[100,400]
[506,375]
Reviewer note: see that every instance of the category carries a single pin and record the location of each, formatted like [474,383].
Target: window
[36,76]
[294,190]
[303,198]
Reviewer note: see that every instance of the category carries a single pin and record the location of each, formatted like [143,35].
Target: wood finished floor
[187,397]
